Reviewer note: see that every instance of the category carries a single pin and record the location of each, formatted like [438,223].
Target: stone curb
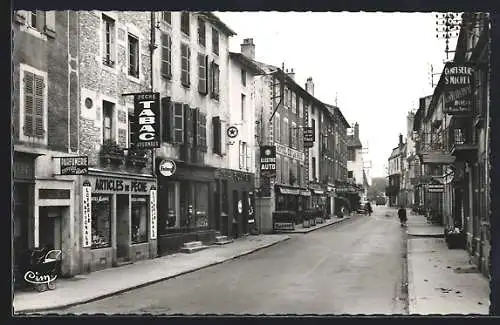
[312,229]
[115,292]
[412,304]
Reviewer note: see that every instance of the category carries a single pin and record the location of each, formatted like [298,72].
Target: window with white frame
[43,22]
[215,41]
[107,120]
[248,154]
[109,42]
[215,75]
[166,16]
[166,56]
[133,56]
[185,65]
[185,22]
[33,104]
[242,154]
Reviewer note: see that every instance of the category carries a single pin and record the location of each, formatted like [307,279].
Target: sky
[377,65]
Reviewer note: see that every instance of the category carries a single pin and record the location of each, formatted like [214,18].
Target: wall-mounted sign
[240,206]
[120,185]
[232,132]
[289,152]
[87,214]
[167,167]
[146,133]
[74,165]
[458,85]
[268,161]
[152,213]
[308,137]
[435,188]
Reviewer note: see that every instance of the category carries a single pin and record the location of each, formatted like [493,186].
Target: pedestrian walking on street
[402,215]
[368,208]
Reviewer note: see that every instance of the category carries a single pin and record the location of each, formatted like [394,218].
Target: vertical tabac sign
[152,213]
[87,214]
[147,121]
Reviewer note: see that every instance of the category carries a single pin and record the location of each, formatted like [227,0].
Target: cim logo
[37,278]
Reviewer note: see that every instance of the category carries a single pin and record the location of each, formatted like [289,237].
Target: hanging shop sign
[167,167]
[289,152]
[308,136]
[152,213]
[74,165]
[240,206]
[146,130]
[87,214]
[435,188]
[268,161]
[458,85]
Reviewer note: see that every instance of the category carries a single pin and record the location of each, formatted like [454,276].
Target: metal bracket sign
[268,161]
[458,84]
[74,165]
[147,120]
[308,136]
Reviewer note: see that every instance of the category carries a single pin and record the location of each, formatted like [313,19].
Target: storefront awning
[289,191]
[305,192]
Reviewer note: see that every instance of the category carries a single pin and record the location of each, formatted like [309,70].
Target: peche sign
[458,84]
[146,121]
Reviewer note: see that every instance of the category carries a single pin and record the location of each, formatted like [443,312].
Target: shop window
[139,219]
[171,212]
[101,221]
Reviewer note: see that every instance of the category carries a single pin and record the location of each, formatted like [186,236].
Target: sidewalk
[441,280]
[419,226]
[301,230]
[97,285]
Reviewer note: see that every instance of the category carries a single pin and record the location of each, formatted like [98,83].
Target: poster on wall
[87,214]
[146,133]
[152,213]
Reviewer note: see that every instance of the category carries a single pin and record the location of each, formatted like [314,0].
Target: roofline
[217,22]
[242,59]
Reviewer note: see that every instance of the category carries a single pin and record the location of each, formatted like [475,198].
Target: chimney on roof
[400,141]
[248,48]
[356,130]
[310,86]
[291,74]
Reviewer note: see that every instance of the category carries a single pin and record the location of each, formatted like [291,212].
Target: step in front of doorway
[191,247]
[222,240]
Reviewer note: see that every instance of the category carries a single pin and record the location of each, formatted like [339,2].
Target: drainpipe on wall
[152,47]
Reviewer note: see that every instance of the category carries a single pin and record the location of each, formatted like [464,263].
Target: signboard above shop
[74,165]
[458,88]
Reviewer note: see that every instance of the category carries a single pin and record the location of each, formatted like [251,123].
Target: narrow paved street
[355,267]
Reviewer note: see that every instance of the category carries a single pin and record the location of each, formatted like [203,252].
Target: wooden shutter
[203,131]
[166,55]
[50,23]
[178,131]
[240,154]
[39,105]
[202,74]
[248,154]
[167,119]
[216,129]
[188,66]
[132,129]
[195,112]
[188,125]
[212,74]
[29,102]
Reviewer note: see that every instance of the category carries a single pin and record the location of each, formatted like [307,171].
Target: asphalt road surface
[355,267]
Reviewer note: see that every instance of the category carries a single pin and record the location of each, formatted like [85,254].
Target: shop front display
[116,220]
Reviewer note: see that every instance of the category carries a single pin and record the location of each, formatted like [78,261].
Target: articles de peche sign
[458,85]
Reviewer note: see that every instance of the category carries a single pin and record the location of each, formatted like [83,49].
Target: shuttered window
[201,32]
[216,130]
[166,56]
[248,154]
[185,24]
[131,128]
[242,146]
[277,128]
[108,32]
[178,126]
[33,105]
[166,16]
[215,41]
[294,131]
[185,66]
[202,131]
[215,73]
[202,74]
[167,121]
[41,21]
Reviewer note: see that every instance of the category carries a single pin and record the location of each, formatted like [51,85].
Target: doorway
[50,230]
[122,227]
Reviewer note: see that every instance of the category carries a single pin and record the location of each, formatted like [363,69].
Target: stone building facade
[44,125]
